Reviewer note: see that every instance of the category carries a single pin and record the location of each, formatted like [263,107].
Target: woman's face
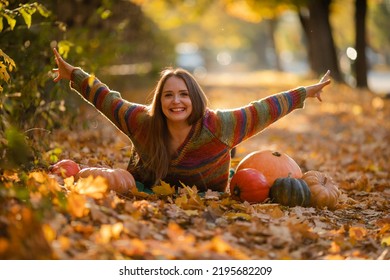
[175,100]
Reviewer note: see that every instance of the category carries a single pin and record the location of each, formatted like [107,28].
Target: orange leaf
[164,189]
[91,187]
[11,176]
[77,205]
[219,245]
[357,233]
[48,232]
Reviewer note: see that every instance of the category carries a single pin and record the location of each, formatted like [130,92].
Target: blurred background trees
[125,42]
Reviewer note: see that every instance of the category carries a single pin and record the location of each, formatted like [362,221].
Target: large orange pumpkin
[119,180]
[250,185]
[272,164]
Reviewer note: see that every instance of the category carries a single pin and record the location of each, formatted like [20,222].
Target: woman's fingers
[325,77]
[58,77]
[325,80]
[60,63]
[318,95]
[57,55]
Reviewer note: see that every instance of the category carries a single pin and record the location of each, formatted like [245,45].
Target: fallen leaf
[77,205]
[386,241]
[164,189]
[91,187]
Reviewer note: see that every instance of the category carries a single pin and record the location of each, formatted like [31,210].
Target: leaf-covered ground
[346,136]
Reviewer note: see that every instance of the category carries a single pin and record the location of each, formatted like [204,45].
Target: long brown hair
[157,148]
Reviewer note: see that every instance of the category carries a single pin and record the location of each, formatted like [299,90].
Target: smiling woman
[177,138]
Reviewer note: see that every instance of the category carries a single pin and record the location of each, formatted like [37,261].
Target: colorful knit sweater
[203,159]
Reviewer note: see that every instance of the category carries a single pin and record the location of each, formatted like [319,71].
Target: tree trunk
[321,49]
[272,30]
[360,43]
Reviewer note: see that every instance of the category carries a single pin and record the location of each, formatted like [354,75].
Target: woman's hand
[64,70]
[316,89]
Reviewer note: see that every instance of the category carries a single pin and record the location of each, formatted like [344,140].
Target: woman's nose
[176,98]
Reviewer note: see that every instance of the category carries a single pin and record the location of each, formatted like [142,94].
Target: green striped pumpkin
[290,191]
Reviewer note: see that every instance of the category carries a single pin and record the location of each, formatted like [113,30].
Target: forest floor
[346,136]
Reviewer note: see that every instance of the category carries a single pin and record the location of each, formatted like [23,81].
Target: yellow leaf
[219,245]
[234,216]
[43,11]
[3,73]
[1,24]
[48,232]
[91,187]
[77,205]
[26,16]
[116,230]
[109,232]
[334,248]
[105,14]
[164,189]
[192,212]
[192,200]
[11,21]
[181,200]
[64,47]
[385,241]
[42,181]
[7,59]
[69,181]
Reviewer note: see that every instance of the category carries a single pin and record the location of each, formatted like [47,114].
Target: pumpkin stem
[277,154]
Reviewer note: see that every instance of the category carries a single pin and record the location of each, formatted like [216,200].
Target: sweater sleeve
[236,125]
[125,115]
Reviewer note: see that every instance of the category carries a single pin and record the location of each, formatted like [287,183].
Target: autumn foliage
[346,136]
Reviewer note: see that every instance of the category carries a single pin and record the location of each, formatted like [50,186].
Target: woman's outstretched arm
[125,115]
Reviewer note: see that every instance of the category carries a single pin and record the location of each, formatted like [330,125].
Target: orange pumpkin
[324,191]
[65,168]
[250,185]
[119,180]
[272,164]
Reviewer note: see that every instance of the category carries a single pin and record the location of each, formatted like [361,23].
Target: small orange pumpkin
[272,164]
[119,180]
[324,191]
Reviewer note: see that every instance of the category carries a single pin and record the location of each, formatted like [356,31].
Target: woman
[177,138]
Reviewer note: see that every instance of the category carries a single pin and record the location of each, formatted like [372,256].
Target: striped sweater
[203,159]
